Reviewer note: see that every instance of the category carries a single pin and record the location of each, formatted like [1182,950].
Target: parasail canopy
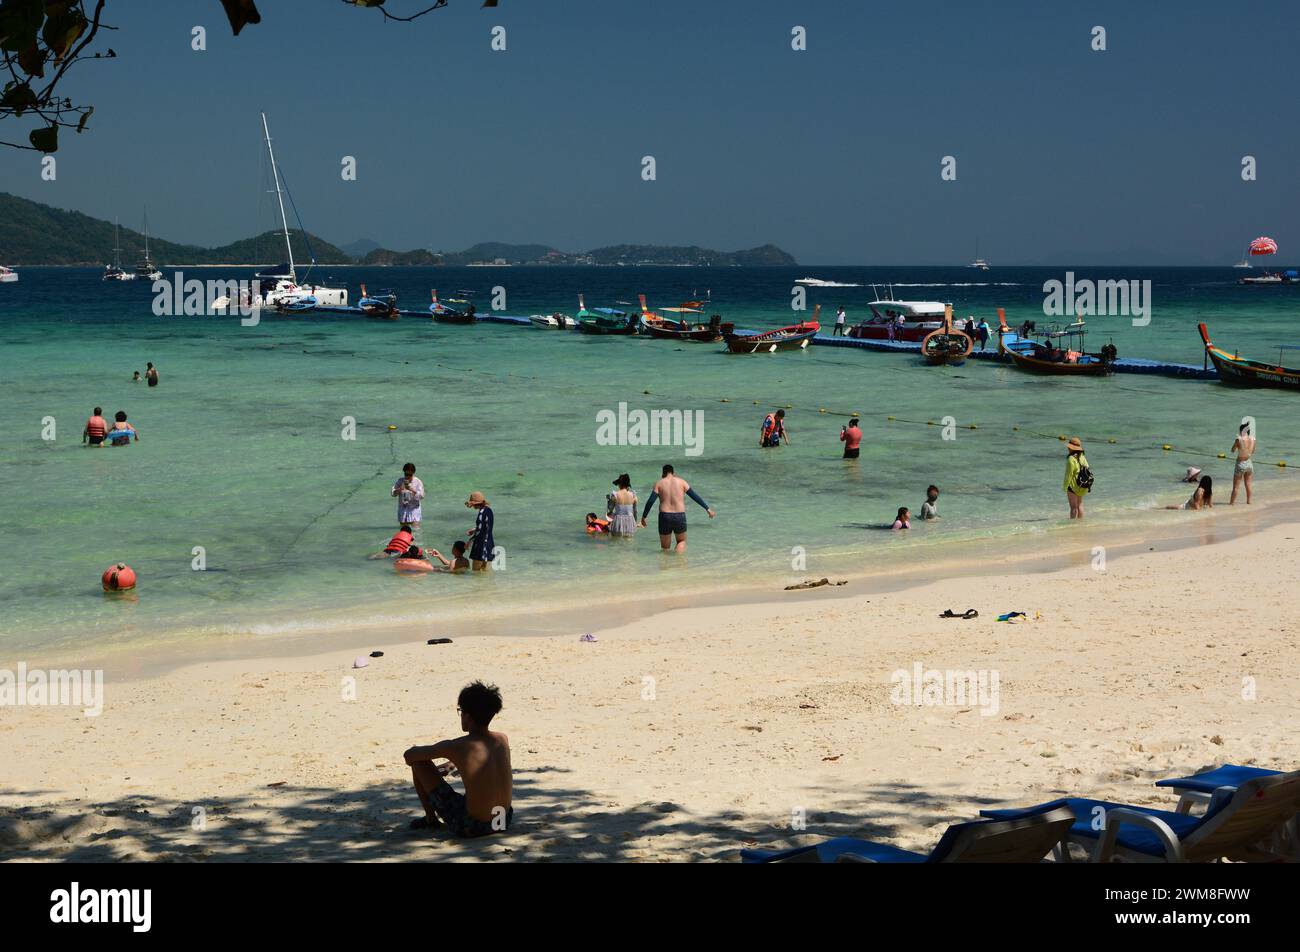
[1263,246]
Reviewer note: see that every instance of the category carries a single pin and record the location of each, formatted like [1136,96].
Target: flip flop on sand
[969,613]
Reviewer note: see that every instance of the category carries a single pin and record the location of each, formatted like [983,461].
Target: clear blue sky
[1063,155]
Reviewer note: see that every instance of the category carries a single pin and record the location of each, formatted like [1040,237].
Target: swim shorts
[670,522]
[450,806]
[851,453]
[95,440]
[1244,466]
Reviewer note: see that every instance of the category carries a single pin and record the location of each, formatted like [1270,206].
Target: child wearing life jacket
[397,545]
[596,525]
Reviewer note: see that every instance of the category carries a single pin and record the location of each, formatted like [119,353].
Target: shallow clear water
[241,450]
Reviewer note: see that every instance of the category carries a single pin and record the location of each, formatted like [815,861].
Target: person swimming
[122,432]
[904,519]
[930,508]
[457,563]
[597,525]
[397,545]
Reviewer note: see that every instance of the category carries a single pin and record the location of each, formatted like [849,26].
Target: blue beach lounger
[1202,788]
[1025,839]
[1232,827]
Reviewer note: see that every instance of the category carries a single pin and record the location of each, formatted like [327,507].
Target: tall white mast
[293,275]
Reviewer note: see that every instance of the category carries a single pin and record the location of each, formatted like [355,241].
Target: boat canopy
[917,310]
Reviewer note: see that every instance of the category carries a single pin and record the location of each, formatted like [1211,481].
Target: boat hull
[607,330]
[946,347]
[454,318]
[911,333]
[1240,372]
[786,338]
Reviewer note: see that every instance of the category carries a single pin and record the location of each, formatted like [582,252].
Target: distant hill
[35,234]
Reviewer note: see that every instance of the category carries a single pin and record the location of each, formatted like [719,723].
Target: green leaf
[18,97]
[20,21]
[45,140]
[62,31]
[32,61]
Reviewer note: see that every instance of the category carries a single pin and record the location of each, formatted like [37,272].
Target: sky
[1064,155]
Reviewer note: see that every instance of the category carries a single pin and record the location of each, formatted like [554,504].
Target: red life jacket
[400,542]
[96,426]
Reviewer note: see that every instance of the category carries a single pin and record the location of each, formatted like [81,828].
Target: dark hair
[480,701]
[98,410]
[458,547]
[120,416]
[591,515]
[780,414]
[902,511]
[624,481]
[414,552]
[147,364]
[853,421]
[404,527]
[668,468]
[1243,428]
[931,489]
[406,466]
[1207,484]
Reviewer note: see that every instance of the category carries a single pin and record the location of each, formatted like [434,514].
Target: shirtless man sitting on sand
[671,491]
[481,757]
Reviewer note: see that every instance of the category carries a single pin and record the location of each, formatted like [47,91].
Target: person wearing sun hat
[1193,475]
[481,543]
[1078,477]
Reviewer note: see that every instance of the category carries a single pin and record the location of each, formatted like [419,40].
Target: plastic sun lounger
[1230,828]
[1025,839]
[1202,788]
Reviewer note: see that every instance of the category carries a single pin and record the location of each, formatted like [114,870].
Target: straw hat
[1074,446]
[1193,474]
[475,499]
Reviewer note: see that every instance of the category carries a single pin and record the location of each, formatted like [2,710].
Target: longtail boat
[1235,369]
[449,315]
[604,320]
[381,304]
[678,325]
[946,345]
[1044,356]
[794,337]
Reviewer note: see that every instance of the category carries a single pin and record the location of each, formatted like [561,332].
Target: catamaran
[285,292]
[146,270]
[979,263]
[115,271]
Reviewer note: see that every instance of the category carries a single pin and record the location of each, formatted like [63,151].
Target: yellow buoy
[1061,438]
[391,427]
[1223,456]
[1110,441]
[1166,447]
[889,418]
[1282,463]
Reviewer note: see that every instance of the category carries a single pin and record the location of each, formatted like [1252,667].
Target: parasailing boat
[1237,370]
[1259,248]
[946,345]
[1059,351]
[795,337]
[450,315]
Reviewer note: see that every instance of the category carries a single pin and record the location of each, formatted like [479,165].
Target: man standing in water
[409,493]
[151,375]
[671,491]
[481,757]
[1244,470]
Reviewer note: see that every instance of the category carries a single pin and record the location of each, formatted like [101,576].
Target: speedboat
[900,320]
[556,321]
[7,275]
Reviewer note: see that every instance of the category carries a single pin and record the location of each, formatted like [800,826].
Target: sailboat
[115,271]
[285,292]
[146,269]
[979,263]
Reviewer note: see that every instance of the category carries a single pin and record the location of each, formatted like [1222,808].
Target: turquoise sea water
[241,450]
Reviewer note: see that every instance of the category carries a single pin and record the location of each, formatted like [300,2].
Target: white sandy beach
[755,714]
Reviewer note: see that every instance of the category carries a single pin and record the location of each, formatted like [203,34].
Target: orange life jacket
[600,525]
[400,542]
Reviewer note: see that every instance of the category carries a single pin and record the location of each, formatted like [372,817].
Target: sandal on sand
[969,613]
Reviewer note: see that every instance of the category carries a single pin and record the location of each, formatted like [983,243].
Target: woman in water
[622,507]
[1076,474]
[904,520]
[1202,496]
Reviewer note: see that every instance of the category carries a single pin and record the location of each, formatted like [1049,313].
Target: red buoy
[118,578]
